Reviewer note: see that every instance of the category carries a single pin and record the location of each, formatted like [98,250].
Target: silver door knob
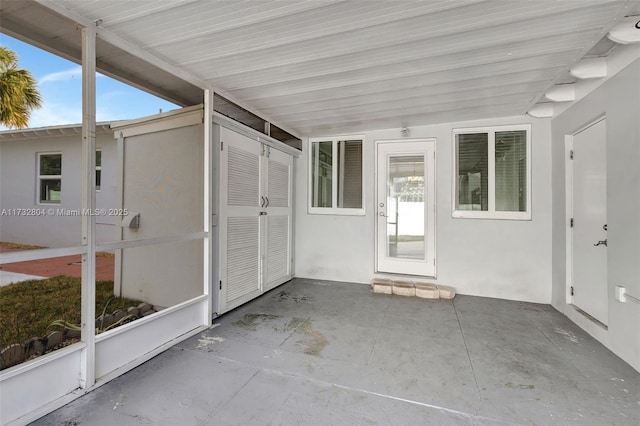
[381,204]
[382,214]
[601,242]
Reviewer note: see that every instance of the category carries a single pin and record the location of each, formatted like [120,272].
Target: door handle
[601,242]
[262,202]
[262,213]
[604,226]
[382,214]
[267,205]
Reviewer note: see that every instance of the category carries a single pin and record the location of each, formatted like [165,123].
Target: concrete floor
[320,353]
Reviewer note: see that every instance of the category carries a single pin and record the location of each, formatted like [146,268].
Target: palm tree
[18,92]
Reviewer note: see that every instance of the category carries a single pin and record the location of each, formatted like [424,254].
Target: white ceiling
[327,67]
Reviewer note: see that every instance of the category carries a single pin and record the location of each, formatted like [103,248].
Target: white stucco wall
[494,258]
[163,170]
[18,190]
[619,100]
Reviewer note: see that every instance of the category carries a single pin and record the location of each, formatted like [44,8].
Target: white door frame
[568,151]
[568,195]
[430,200]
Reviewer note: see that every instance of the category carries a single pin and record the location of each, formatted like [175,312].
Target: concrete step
[412,288]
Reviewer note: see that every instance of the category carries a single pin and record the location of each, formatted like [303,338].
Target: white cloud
[65,75]
[56,114]
[75,72]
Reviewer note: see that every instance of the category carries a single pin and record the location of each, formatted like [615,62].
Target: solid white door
[240,219]
[589,221]
[277,220]
[405,207]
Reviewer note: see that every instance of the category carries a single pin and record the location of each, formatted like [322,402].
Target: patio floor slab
[318,353]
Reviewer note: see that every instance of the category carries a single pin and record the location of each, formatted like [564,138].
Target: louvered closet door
[277,256]
[240,220]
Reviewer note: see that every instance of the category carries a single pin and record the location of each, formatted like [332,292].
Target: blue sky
[60,84]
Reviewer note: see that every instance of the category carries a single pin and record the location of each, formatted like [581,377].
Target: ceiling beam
[627,31]
[561,93]
[589,68]
[622,11]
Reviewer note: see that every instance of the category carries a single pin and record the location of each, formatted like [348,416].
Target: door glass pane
[511,171]
[473,171]
[405,207]
[322,172]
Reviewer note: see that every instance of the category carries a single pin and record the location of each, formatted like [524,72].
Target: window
[49,177]
[336,176]
[493,172]
[98,168]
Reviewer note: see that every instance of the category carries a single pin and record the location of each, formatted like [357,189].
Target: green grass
[16,246]
[28,308]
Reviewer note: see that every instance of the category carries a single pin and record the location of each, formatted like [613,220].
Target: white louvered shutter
[240,221]
[277,256]
[243,251]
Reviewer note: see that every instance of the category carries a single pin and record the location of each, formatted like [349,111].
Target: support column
[88,204]
[210,224]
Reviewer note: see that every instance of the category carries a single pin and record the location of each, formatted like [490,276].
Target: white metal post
[88,203]
[209,223]
[117,273]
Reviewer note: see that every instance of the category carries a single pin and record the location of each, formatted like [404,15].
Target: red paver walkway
[66,265]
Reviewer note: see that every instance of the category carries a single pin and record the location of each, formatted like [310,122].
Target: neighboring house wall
[507,259]
[619,100]
[18,190]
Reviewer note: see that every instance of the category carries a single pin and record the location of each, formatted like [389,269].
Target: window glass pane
[322,172]
[511,171]
[473,171]
[405,207]
[350,174]
[98,168]
[50,190]
[50,164]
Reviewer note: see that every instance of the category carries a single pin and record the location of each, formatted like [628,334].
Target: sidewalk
[51,267]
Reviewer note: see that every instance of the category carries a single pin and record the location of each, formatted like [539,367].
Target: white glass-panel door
[405,207]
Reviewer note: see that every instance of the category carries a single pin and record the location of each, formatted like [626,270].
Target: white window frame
[491,213]
[99,168]
[40,177]
[334,179]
